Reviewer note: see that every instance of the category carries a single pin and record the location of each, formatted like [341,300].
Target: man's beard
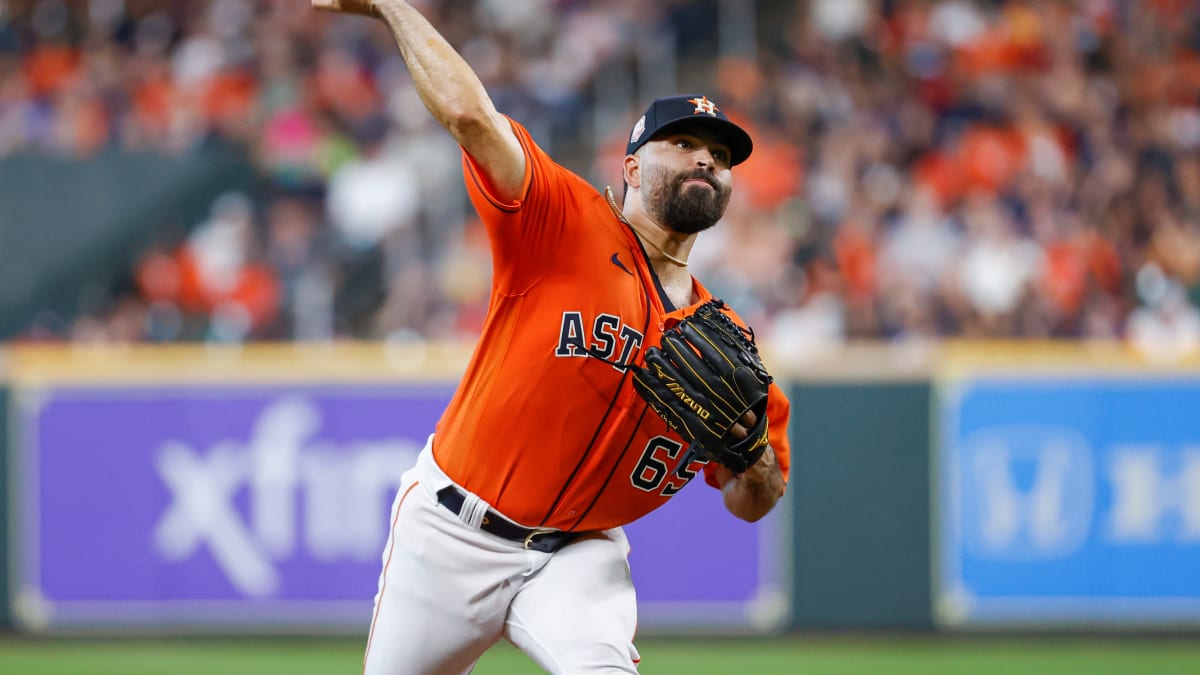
[684,209]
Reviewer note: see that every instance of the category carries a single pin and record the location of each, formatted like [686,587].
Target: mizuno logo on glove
[677,389]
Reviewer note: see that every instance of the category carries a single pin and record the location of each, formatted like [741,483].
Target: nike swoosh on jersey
[617,261]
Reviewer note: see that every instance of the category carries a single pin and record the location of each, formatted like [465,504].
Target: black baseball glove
[704,377]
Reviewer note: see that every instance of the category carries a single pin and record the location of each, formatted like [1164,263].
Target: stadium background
[969,236]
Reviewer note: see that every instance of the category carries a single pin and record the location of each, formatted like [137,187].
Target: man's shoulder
[570,179]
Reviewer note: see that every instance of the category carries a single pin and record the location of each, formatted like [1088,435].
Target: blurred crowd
[922,169]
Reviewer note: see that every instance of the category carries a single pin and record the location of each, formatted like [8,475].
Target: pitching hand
[363,7]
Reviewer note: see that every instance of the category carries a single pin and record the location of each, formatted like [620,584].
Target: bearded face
[684,207]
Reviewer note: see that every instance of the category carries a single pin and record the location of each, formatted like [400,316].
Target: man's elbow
[467,122]
[752,511]
[752,516]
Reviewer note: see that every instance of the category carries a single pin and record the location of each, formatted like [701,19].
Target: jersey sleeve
[779,411]
[525,233]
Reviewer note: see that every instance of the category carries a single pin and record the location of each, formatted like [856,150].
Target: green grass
[817,655]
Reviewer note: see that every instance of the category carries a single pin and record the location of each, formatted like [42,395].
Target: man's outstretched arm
[450,90]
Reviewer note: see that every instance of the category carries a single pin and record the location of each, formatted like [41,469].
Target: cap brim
[739,142]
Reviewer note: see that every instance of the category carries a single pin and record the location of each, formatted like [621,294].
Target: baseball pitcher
[605,379]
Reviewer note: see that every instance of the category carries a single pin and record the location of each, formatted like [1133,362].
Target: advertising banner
[210,506]
[1070,500]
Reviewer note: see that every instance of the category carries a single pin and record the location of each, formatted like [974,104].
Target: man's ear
[632,171]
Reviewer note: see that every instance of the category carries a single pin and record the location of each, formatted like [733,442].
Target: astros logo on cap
[703,105]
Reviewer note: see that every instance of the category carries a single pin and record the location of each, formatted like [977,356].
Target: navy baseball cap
[673,111]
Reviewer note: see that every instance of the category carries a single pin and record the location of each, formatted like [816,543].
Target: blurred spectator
[217,276]
[298,252]
[372,200]
[1166,326]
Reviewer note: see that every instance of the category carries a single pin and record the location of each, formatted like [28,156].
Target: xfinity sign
[267,507]
[302,493]
[194,505]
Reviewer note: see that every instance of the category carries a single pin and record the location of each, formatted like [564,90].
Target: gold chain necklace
[612,203]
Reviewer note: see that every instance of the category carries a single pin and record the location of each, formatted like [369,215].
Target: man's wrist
[765,463]
[765,472]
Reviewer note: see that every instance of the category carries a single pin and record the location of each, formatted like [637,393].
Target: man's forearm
[447,85]
[456,98]
[755,492]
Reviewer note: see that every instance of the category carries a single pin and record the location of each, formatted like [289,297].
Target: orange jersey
[540,428]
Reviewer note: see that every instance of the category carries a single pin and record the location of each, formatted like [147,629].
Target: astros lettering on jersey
[546,425]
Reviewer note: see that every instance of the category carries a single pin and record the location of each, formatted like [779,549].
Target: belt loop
[473,510]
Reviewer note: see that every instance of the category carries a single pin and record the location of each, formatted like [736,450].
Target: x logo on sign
[202,510]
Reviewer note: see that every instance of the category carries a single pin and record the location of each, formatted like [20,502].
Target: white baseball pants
[449,591]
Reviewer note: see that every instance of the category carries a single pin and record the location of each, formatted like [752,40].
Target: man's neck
[660,241]
[668,250]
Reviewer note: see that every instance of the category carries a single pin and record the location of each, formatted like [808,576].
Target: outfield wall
[196,488]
